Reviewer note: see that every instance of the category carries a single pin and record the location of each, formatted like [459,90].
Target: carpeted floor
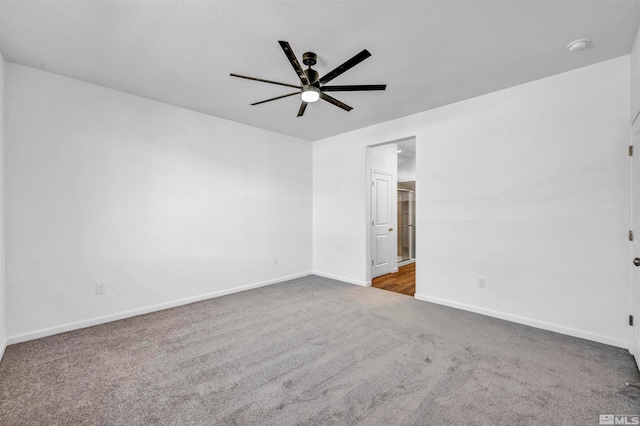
[314,351]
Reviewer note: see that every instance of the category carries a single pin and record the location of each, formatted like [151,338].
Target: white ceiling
[430,53]
[407,148]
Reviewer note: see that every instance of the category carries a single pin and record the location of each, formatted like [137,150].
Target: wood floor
[403,281]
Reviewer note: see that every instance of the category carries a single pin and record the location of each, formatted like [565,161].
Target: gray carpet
[314,351]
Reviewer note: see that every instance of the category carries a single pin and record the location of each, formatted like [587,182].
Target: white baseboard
[607,340]
[140,311]
[343,279]
[3,346]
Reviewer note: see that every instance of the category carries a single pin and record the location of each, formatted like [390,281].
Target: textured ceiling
[430,53]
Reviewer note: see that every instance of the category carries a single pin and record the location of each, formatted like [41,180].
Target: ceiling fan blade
[294,62]
[335,102]
[303,106]
[277,97]
[346,66]
[264,81]
[353,88]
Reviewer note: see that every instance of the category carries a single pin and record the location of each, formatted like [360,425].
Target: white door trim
[634,343]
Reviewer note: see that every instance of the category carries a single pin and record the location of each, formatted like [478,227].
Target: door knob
[636,261]
[391,229]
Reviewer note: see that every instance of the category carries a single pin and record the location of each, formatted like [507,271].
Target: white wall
[407,169]
[635,77]
[526,187]
[162,204]
[3,332]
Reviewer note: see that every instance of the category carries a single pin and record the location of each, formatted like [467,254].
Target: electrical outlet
[100,288]
[482,283]
[275,260]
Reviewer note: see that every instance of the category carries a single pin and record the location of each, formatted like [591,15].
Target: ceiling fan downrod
[310,59]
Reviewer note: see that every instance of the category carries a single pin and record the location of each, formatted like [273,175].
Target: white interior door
[382,236]
[635,191]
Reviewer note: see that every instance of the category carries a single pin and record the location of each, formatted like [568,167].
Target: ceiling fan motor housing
[313,77]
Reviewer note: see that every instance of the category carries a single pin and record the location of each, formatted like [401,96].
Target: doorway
[402,278]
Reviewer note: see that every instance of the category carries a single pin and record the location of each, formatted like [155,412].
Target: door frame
[367,204]
[634,251]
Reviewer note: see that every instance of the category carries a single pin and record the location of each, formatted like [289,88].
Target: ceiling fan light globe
[310,95]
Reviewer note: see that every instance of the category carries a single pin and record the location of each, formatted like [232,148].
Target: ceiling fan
[313,86]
